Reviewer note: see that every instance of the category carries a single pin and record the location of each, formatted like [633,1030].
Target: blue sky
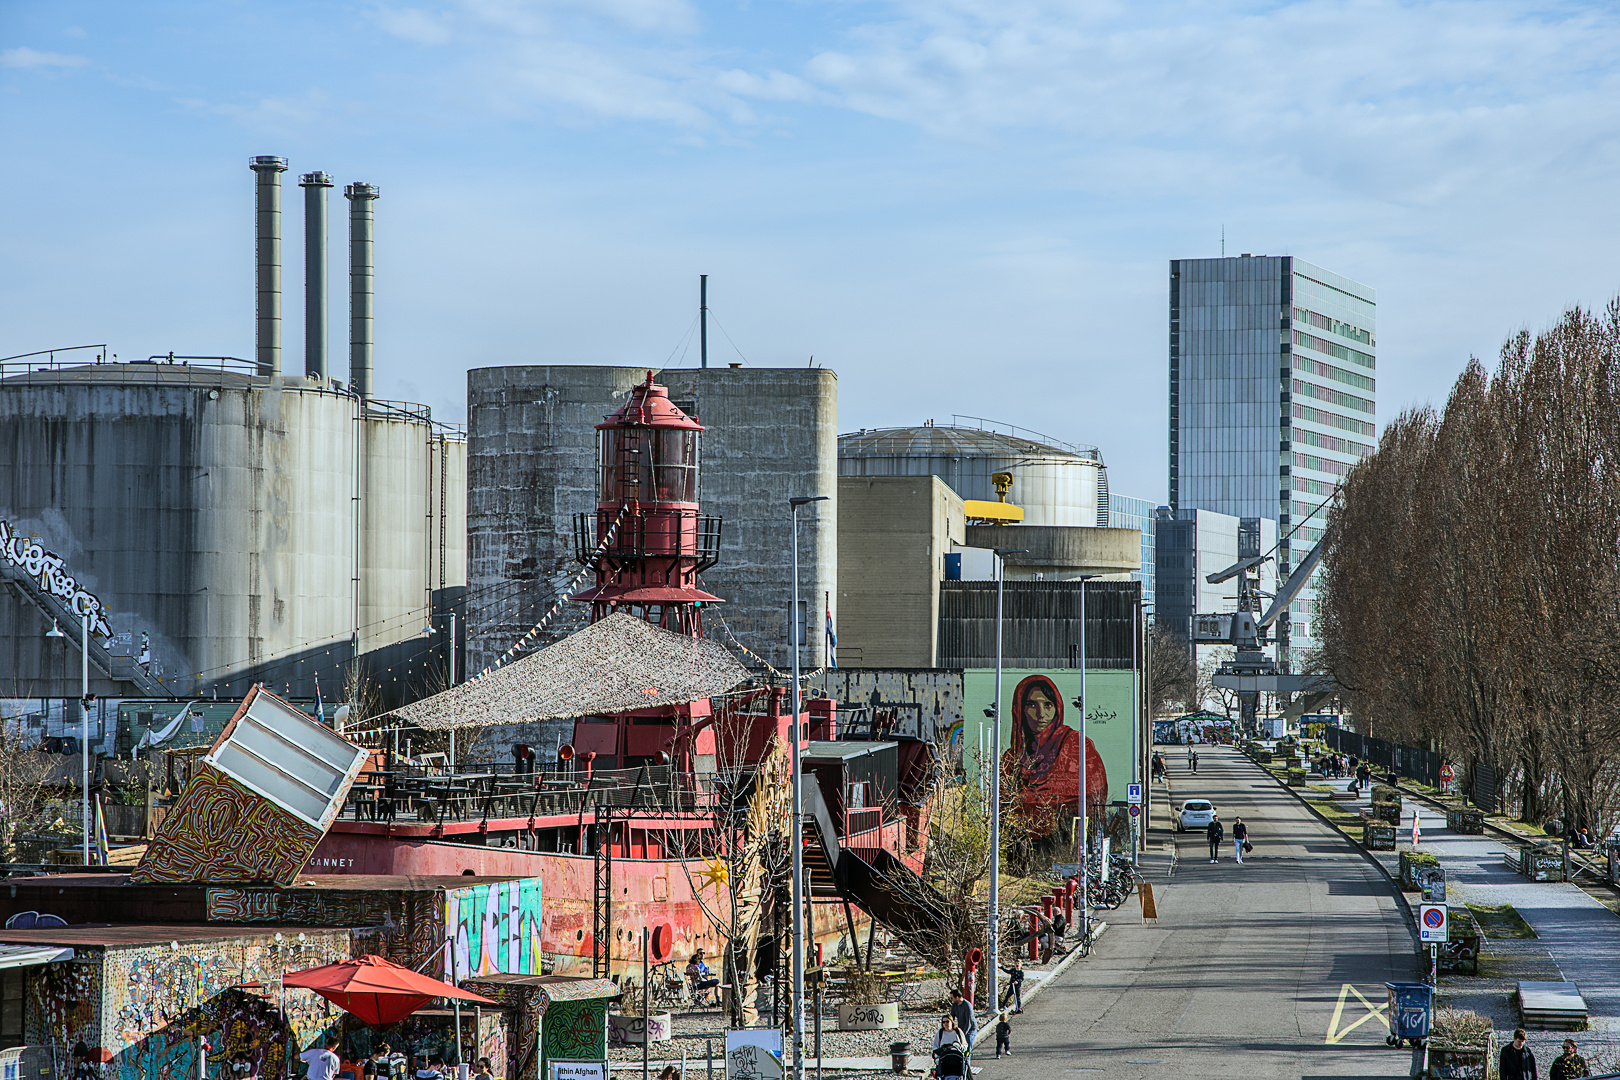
[961,206]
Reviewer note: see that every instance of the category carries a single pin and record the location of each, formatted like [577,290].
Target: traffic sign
[1432,919]
[1447,773]
[1136,811]
[1133,793]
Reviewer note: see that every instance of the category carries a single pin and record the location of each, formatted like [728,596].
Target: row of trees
[1471,589]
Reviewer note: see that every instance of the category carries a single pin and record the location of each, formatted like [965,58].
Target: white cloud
[24,57]
[413,24]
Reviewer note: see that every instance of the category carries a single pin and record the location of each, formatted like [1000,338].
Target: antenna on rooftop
[1223,240]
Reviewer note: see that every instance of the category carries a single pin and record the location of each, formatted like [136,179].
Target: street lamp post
[1083,837]
[797,842]
[995,793]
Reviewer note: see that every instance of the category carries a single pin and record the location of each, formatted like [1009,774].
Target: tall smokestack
[362,269]
[267,212]
[315,185]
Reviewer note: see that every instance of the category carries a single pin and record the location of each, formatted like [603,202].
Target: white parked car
[1195,814]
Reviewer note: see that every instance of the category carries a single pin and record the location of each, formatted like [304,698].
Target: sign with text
[578,1070]
[1133,793]
[1432,922]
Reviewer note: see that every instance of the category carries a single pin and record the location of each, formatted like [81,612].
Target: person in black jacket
[1516,1061]
[1240,834]
[1015,986]
[1215,834]
[1004,1036]
[1569,1065]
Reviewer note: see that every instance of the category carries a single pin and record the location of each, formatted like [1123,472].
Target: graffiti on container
[221,831]
[574,1030]
[45,567]
[495,928]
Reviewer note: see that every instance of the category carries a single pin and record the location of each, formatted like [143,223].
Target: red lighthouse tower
[647,539]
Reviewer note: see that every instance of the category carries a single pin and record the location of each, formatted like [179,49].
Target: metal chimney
[362,269]
[267,211]
[315,185]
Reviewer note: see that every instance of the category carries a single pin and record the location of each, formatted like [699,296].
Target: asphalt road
[1274,968]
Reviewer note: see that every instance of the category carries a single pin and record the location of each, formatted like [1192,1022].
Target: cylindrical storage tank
[1054,485]
[210,511]
[216,516]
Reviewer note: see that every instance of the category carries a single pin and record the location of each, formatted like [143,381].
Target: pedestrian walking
[1569,1065]
[966,1022]
[1363,778]
[1215,833]
[1240,837]
[1516,1061]
[1004,1038]
[1015,986]
[1194,756]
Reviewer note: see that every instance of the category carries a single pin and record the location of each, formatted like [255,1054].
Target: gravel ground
[696,1030]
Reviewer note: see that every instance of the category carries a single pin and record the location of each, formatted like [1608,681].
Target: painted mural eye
[579,935]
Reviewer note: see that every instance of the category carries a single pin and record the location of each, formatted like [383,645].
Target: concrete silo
[770,433]
[1056,484]
[235,524]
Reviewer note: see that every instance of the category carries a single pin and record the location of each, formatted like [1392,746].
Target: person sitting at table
[701,977]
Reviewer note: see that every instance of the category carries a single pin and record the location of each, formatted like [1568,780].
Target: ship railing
[882,721]
[481,791]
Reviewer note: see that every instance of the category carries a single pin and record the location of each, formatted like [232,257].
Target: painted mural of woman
[1046,752]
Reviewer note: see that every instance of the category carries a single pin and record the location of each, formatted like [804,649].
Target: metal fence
[1408,761]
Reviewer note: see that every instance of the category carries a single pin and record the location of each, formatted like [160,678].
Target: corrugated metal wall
[1040,624]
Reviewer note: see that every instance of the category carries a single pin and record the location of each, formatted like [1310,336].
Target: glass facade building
[1125,512]
[1272,399]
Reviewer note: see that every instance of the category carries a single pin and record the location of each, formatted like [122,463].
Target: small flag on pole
[320,712]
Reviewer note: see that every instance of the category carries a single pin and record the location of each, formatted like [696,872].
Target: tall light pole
[1083,837]
[995,792]
[84,725]
[796,886]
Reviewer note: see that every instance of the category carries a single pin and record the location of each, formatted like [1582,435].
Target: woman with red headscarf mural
[1045,756]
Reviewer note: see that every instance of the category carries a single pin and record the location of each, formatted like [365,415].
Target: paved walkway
[1271,969]
[1578,939]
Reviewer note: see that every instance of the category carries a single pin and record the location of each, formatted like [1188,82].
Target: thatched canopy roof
[618,664]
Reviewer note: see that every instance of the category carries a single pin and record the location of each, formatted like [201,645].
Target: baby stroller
[949,1061]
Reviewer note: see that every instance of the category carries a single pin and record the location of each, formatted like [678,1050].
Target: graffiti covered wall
[148,1006]
[493,928]
[410,924]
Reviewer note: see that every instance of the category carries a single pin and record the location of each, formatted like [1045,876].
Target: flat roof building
[1272,399]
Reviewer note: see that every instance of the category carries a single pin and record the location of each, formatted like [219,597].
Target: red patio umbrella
[378,991]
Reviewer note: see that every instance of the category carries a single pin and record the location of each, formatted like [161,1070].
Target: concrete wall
[939,691]
[1062,554]
[893,535]
[771,434]
[215,514]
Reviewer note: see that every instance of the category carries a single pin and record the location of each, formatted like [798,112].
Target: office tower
[1272,400]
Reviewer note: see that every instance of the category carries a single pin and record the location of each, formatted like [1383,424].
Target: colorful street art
[149,1007]
[410,923]
[493,928]
[1040,739]
[574,1030]
[221,831]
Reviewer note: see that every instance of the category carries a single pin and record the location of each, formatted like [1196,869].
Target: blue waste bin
[1410,1007]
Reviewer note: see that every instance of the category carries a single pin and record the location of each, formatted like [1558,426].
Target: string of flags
[522,643]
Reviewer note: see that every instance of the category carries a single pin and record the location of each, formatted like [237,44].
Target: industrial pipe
[315,185]
[362,296]
[267,171]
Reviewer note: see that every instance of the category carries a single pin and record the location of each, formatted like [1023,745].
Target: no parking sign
[1432,919]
